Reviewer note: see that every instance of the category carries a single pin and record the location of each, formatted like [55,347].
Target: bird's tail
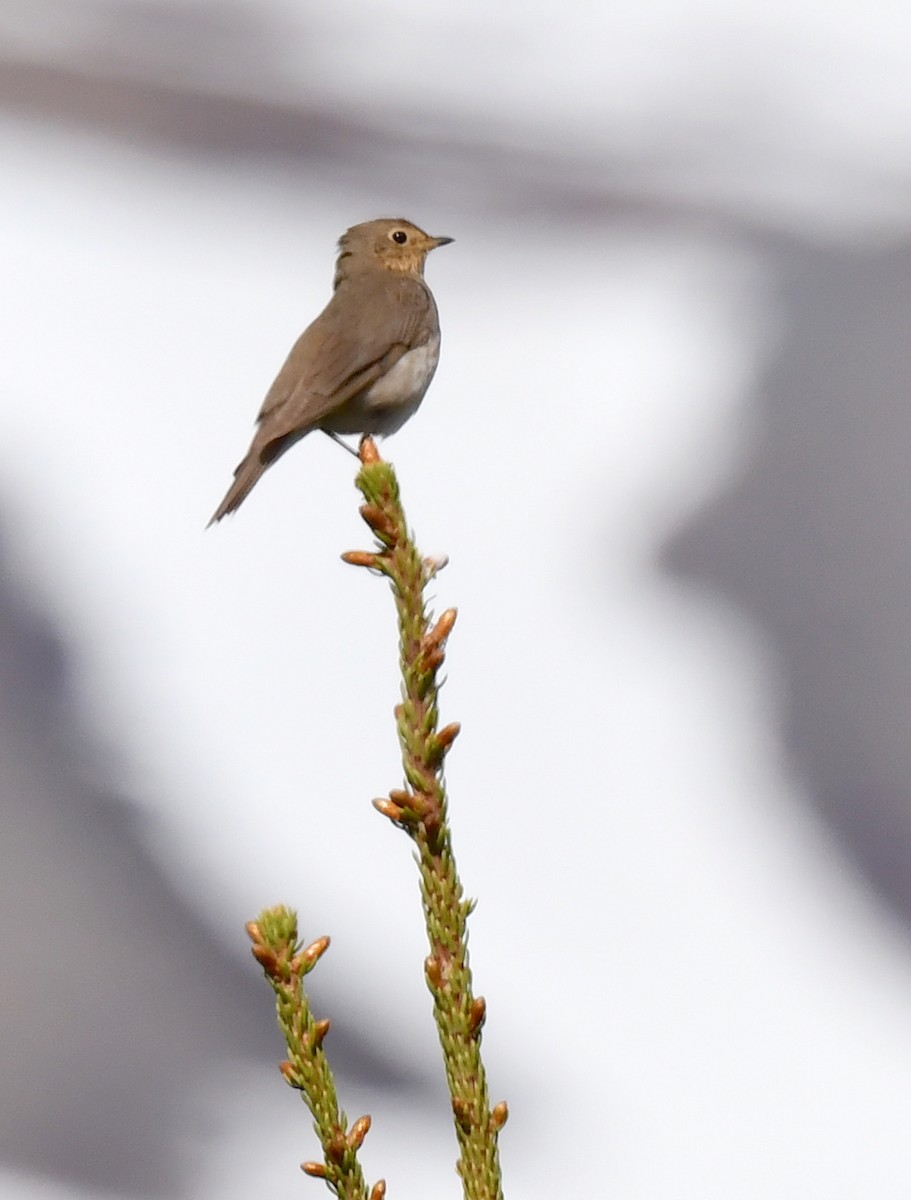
[245,477]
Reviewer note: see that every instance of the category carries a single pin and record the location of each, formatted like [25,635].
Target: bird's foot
[344,445]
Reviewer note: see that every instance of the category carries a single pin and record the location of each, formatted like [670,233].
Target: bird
[364,364]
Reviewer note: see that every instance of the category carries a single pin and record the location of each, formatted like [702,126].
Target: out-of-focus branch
[285,963]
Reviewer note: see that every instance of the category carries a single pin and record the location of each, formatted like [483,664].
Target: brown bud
[433,972]
[358,1132]
[432,659]
[314,952]
[418,803]
[431,827]
[317,1170]
[388,809]
[367,452]
[442,629]
[462,1114]
[320,1029]
[336,1147]
[253,931]
[287,1069]
[378,1191]
[266,959]
[361,558]
[477,1015]
[380,522]
[415,802]
[439,744]
[499,1116]
[448,734]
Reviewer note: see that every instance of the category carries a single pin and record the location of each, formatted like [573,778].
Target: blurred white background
[666,451]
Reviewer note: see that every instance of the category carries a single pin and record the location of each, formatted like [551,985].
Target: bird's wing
[337,356]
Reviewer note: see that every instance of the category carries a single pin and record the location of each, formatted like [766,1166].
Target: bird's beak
[434,242]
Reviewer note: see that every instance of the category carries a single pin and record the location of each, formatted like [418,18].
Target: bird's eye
[400,236]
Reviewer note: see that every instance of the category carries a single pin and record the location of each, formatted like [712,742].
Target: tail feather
[245,477]
[261,455]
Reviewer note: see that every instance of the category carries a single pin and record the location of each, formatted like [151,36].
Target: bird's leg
[344,445]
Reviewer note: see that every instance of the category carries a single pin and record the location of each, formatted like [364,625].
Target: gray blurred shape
[813,540]
[116,998]
[154,74]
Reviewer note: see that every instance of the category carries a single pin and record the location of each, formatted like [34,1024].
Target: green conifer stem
[421,810]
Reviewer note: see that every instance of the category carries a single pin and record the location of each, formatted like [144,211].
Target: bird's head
[389,243]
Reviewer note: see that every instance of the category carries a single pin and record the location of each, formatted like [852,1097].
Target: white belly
[393,399]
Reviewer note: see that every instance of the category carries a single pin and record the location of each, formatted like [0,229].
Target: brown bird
[364,364]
